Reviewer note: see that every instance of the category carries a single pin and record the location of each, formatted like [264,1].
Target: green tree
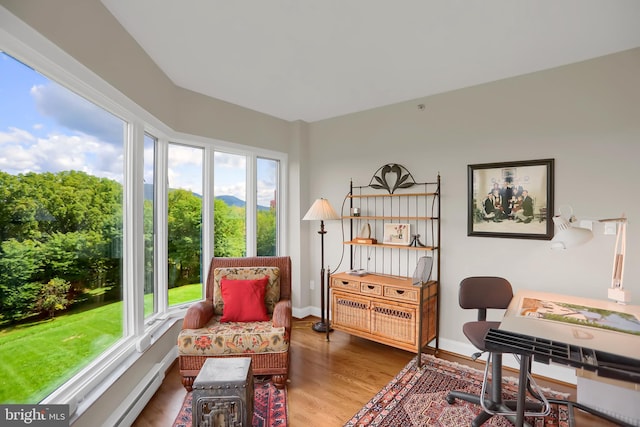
[19,263]
[53,296]
[18,210]
[229,230]
[80,257]
[266,232]
[185,228]
[66,224]
[149,247]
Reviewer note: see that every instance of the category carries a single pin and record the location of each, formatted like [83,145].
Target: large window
[107,225]
[185,223]
[230,191]
[61,201]
[245,226]
[267,211]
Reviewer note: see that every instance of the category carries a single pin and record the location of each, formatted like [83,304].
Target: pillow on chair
[272,294]
[244,300]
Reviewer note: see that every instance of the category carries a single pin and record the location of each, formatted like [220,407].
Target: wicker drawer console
[385,309]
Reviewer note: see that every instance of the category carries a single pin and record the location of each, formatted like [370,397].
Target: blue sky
[47,128]
[44,127]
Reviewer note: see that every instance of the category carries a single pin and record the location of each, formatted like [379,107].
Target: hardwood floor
[328,382]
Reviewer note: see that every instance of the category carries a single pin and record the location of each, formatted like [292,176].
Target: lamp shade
[321,210]
[569,236]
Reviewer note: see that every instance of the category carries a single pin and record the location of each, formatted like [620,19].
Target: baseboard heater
[135,402]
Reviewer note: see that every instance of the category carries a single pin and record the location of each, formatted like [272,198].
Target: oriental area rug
[416,397]
[269,407]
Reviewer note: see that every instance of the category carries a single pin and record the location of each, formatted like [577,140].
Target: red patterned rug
[416,397]
[269,407]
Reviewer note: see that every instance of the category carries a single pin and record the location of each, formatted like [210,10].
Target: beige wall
[586,116]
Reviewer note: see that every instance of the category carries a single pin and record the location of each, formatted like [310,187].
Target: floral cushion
[232,338]
[272,294]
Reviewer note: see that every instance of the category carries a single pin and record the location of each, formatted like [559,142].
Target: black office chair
[484,293]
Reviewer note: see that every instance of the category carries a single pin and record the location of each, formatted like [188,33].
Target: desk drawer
[370,289]
[401,294]
[349,285]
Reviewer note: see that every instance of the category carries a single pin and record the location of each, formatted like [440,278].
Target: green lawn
[38,357]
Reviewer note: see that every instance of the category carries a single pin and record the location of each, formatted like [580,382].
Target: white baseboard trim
[135,402]
[301,313]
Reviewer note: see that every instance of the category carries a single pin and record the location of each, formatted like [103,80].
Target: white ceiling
[311,60]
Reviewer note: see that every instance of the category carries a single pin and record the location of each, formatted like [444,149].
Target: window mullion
[161,222]
[133,260]
[251,206]
[208,198]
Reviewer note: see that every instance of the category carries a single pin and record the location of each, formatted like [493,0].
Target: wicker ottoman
[223,393]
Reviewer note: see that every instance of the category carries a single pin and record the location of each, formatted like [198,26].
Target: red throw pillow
[244,300]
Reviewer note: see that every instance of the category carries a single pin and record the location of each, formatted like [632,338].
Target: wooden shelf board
[415,218]
[363,196]
[382,245]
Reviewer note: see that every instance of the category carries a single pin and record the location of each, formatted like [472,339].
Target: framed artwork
[396,234]
[511,199]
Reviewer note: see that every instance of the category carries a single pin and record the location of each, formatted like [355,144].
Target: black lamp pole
[323,324]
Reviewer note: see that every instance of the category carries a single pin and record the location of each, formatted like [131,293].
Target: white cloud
[266,193]
[22,152]
[238,190]
[16,159]
[185,168]
[149,162]
[230,161]
[16,135]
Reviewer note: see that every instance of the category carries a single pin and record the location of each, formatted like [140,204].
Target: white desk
[529,314]
[570,330]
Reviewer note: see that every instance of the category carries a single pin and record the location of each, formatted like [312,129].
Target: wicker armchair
[267,342]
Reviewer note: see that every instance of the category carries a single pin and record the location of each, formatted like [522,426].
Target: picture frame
[397,234]
[511,199]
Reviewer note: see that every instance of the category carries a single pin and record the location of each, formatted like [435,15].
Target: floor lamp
[322,211]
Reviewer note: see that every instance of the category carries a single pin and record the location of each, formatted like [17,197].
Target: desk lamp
[570,236]
[321,210]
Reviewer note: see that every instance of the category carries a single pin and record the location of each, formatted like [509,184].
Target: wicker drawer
[397,322]
[401,294]
[351,311]
[370,289]
[348,285]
